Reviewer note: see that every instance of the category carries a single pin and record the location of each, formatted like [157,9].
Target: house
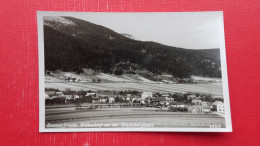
[196,102]
[218,106]
[147,94]
[192,96]
[91,94]
[165,95]
[199,109]
[157,100]
[197,98]
[204,103]
[75,96]
[47,96]
[67,97]
[218,97]
[134,100]
[169,99]
[102,99]
[142,102]
[55,96]
[128,99]
[177,105]
[50,93]
[166,103]
[59,93]
[111,99]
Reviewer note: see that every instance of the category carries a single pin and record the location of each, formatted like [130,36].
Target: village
[168,102]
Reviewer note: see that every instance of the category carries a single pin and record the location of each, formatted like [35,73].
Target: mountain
[72,44]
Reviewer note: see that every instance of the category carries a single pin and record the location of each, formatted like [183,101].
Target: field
[132,118]
[209,88]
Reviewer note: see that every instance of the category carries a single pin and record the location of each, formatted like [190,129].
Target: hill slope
[72,44]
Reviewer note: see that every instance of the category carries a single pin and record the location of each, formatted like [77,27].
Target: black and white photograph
[133,72]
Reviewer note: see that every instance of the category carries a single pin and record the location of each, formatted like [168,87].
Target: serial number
[215,126]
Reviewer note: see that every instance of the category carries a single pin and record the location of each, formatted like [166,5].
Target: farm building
[218,106]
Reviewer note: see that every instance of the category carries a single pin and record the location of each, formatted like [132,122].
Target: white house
[219,97]
[147,94]
[76,96]
[218,106]
[111,99]
[91,94]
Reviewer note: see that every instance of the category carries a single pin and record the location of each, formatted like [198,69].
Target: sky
[191,30]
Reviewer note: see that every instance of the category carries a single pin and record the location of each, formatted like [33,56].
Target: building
[204,103]
[157,100]
[198,109]
[102,99]
[50,93]
[218,97]
[218,106]
[147,94]
[111,99]
[128,99]
[59,93]
[91,94]
[67,97]
[165,95]
[196,102]
[47,96]
[169,99]
[75,96]
[192,96]
[177,105]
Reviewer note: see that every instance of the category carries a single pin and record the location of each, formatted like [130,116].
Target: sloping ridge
[87,45]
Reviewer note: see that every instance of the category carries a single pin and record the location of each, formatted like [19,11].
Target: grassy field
[209,88]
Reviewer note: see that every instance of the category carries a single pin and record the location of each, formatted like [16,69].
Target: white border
[42,128]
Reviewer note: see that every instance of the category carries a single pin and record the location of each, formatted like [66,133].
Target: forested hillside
[72,44]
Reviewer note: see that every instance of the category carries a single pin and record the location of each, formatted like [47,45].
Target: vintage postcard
[133,72]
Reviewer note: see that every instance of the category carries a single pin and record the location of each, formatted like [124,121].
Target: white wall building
[147,94]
